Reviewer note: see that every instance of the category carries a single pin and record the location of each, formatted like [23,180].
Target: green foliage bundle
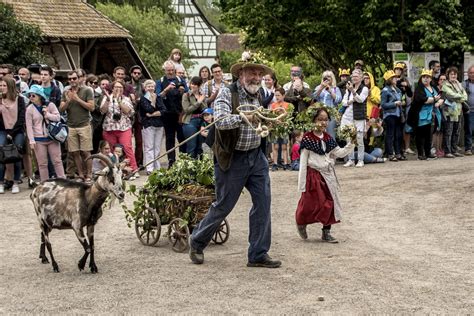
[19,41]
[189,178]
[154,33]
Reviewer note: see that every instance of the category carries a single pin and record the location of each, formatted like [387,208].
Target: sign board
[420,61]
[394,46]
[415,62]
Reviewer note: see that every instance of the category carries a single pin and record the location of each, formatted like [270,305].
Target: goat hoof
[55,267]
[94,269]
[81,265]
[44,260]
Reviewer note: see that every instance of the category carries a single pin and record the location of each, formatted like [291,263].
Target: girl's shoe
[274,167]
[449,155]
[327,236]
[31,183]
[302,231]
[2,189]
[421,158]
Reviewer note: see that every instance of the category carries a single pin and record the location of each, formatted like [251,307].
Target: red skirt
[316,204]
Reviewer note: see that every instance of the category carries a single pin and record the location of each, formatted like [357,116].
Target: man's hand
[72,95]
[200,98]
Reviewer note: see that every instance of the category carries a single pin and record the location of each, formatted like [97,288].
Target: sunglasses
[94,82]
[137,73]
[72,78]
[32,95]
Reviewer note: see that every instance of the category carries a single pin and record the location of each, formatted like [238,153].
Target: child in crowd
[104,149]
[124,163]
[279,142]
[297,136]
[207,118]
[317,180]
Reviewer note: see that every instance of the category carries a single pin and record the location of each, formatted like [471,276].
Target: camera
[326,79]
[117,116]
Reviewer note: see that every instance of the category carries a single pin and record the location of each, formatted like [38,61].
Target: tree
[19,41]
[335,33]
[154,33]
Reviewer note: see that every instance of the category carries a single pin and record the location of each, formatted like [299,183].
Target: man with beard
[239,164]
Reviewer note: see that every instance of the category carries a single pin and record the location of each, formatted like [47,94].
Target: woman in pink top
[12,119]
[38,113]
[118,110]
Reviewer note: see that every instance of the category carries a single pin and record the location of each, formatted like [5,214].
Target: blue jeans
[468,130]
[194,146]
[393,134]
[18,140]
[369,158]
[249,169]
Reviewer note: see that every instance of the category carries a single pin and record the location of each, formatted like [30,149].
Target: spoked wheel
[222,233]
[148,226]
[178,234]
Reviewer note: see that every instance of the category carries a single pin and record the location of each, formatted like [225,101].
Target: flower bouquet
[347,132]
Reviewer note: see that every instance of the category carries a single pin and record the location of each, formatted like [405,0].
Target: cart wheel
[148,226]
[178,234]
[222,233]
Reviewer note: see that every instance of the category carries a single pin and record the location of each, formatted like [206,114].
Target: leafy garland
[304,119]
[188,178]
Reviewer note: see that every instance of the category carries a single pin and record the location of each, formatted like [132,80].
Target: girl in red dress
[317,180]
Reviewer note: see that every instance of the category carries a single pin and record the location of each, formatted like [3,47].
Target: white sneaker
[360,164]
[409,151]
[349,163]
[15,189]
[2,189]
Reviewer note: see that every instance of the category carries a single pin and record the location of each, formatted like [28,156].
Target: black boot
[327,236]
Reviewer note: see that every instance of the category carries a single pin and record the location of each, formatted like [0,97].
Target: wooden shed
[76,35]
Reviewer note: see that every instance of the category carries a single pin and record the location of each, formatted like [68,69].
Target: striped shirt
[248,138]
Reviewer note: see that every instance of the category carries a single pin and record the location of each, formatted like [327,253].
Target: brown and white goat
[66,204]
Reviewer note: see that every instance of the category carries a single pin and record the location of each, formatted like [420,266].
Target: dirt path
[406,246]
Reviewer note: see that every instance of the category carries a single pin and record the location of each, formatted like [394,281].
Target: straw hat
[249,61]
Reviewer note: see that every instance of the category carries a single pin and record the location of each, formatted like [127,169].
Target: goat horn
[104,158]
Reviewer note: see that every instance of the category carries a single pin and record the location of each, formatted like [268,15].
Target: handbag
[403,117]
[58,131]
[9,154]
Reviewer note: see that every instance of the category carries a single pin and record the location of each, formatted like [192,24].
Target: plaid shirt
[248,138]
[205,89]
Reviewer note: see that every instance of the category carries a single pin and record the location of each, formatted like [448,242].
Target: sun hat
[249,60]
[38,90]
[389,75]
[359,62]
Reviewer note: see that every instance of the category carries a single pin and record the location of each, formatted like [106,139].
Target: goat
[66,204]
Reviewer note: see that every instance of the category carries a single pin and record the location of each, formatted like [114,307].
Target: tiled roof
[66,19]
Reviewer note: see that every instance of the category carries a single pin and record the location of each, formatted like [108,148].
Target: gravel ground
[405,247]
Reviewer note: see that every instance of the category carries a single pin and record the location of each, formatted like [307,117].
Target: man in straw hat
[240,164]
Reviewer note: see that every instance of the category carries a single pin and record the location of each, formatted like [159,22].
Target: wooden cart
[149,221]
